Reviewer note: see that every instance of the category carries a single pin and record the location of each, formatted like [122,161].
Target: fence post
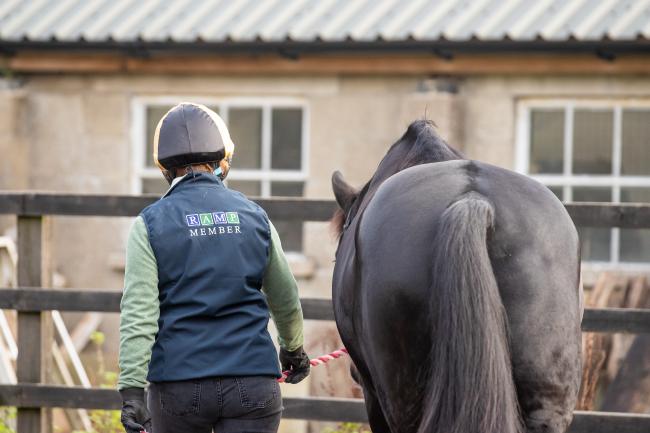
[32,326]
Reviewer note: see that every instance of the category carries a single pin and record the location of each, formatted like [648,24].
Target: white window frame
[265,175]
[568,179]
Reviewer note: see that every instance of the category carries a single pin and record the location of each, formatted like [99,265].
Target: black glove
[135,415]
[296,362]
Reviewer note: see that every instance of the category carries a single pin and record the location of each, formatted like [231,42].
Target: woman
[204,265]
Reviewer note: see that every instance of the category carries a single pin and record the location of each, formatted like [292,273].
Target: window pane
[287,189]
[592,194]
[154,114]
[592,141]
[594,241]
[155,186]
[251,188]
[546,141]
[245,126]
[636,142]
[558,191]
[286,138]
[635,195]
[290,232]
[635,243]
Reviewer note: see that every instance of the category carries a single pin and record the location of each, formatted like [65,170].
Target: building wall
[72,134]
[13,146]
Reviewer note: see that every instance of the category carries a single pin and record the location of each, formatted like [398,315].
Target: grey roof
[232,21]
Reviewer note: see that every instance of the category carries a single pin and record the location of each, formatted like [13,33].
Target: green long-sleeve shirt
[140,308]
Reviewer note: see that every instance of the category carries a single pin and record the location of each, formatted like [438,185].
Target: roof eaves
[473,45]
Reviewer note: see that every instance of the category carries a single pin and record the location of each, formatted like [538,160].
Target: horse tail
[470,388]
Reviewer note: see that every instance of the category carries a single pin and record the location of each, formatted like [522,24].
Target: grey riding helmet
[191,133]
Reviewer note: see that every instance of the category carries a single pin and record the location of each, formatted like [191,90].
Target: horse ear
[344,193]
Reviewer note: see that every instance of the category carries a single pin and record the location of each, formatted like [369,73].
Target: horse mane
[337,222]
[426,145]
[420,144]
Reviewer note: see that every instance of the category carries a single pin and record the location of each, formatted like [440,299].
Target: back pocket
[258,392]
[180,398]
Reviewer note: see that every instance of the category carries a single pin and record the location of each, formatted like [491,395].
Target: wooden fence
[31,300]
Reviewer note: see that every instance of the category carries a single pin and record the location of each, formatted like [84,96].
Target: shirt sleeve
[139,309]
[282,296]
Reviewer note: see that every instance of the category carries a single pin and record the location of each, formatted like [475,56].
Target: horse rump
[470,387]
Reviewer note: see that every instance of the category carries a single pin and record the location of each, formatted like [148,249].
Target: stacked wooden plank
[616,369]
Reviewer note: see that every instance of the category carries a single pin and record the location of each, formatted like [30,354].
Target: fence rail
[32,301]
[627,215]
[614,320]
[317,409]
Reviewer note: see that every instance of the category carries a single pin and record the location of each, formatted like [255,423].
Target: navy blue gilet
[211,245]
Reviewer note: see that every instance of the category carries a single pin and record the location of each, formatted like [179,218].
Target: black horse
[457,293]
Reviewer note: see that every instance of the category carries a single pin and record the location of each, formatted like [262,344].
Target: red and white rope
[323,359]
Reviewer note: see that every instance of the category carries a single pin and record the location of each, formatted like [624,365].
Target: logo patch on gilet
[213,223]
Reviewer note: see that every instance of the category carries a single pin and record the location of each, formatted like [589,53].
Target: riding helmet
[191,133]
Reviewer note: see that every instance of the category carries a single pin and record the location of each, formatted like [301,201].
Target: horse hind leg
[547,393]
[376,417]
[548,415]
[547,356]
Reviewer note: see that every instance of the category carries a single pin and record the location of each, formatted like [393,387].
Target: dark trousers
[224,405]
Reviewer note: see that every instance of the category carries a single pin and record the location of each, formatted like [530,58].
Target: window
[596,151]
[270,158]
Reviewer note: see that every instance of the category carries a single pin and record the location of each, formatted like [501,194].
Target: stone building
[558,90]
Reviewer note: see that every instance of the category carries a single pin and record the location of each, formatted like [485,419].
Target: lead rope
[323,359]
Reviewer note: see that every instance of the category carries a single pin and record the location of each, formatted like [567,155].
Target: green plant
[6,415]
[103,421]
[348,427]
[7,74]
